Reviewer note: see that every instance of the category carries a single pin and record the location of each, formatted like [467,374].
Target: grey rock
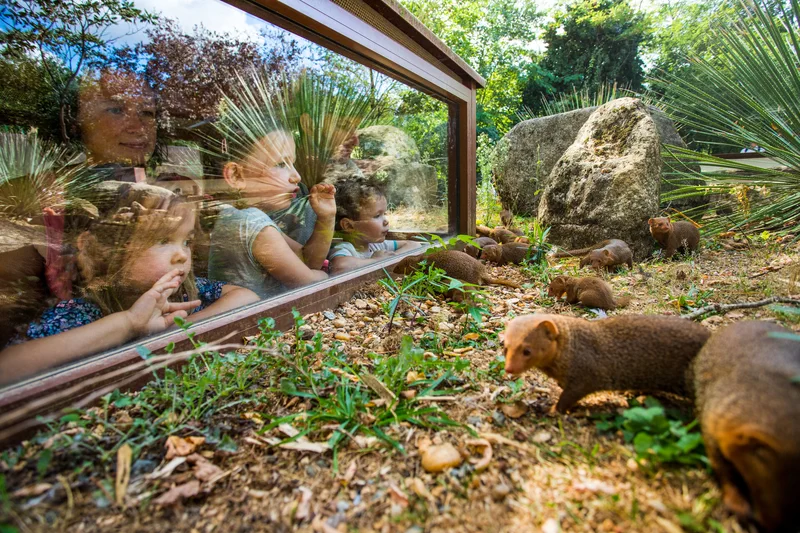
[392,157]
[330,315]
[525,157]
[607,184]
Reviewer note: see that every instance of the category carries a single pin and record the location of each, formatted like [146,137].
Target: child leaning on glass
[361,220]
[136,276]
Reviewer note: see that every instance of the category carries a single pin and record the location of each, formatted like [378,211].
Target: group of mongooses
[742,378]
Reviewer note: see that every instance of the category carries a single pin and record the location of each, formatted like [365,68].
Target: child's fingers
[181,306]
[175,272]
[323,189]
[170,318]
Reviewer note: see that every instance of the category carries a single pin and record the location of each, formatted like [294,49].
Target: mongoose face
[492,253]
[659,226]
[529,341]
[407,265]
[597,259]
[506,217]
[557,287]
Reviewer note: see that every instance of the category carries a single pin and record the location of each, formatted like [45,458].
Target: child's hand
[323,202]
[152,312]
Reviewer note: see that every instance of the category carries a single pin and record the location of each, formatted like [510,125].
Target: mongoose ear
[502,335]
[650,221]
[550,329]
[606,253]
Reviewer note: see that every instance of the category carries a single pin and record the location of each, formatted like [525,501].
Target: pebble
[500,491]
[330,315]
[444,326]
[712,320]
[436,309]
[341,336]
[361,304]
[440,457]
[542,436]
[340,322]
[498,418]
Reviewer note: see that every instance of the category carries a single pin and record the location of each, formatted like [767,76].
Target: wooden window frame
[327,24]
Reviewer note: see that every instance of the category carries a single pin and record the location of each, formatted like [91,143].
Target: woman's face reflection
[118,120]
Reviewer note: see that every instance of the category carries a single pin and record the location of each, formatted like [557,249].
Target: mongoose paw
[736,502]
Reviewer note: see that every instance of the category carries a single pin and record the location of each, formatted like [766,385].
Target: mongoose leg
[730,480]
[570,397]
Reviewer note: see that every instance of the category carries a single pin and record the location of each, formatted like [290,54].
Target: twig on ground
[724,308]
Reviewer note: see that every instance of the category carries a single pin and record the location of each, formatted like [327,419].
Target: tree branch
[724,308]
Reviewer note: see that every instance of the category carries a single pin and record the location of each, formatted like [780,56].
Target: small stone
[476,421]
[436,309]
[551,526]
[512,301]
[542,436]
[500,491]
[361,304]
[350,312]
[330,315]
[306,334]
[498,418]
[340,322]
[444,326]
[440,457]
[514,410]
[311,471]
[342,506]
[341,336]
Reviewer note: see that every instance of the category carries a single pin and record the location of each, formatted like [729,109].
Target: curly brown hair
[352,194]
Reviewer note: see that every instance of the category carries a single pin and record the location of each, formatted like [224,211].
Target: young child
[247,246]
[361,219]
[136,277]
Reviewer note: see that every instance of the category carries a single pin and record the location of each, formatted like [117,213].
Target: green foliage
[321,113]
[658,435]
[693,299]
[591,43]
[494,38]
[577,99]
[72,33]
[746,95]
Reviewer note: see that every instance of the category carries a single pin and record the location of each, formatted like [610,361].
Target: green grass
[210,384]
[658,435]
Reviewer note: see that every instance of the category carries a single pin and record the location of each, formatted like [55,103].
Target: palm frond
[749,95]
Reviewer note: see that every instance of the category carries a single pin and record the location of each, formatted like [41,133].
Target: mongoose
[748,404]
[483,231]
[456,264]
[503,235]
[506,217]
[590,292]
[628,352]
[674,236]
[502,254]
[474,249]
[606,254]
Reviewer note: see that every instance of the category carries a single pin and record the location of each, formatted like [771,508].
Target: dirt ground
[547,473]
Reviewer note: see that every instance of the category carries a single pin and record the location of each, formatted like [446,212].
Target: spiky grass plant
[35,175]
[577,99]
[321,114]
[749,95]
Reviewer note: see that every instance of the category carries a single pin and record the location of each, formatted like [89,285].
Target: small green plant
[658,435]
[693,299]
[535,264]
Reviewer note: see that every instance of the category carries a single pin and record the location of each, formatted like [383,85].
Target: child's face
[269,176]
[372,225]
[170,252]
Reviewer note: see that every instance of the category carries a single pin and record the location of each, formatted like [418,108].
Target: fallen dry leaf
[471,336]
[376,385]
[593,485]
[182,446]
[418,487]
[124,455]
[482,463]
[398,496]
[167,469]
[350,472]
[204,470]
[178,493]
[304,507]
[32,490]
[514,410]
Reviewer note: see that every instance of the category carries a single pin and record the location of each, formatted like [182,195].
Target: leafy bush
[658,435]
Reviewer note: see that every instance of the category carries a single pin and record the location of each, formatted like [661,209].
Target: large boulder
[527,154]
[607,184]
[524,158]
[391,156]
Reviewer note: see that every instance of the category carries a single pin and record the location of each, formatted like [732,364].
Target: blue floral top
[70,314]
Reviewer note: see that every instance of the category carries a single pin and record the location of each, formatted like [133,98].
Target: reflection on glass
[172,172]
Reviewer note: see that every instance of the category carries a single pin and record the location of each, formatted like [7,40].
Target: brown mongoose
[590,292]
[748,403]
[502,254]
[483,231]
[674,236]
[506,217]
[629,352]
[503,235]
[474,249]
[606,254]
[456,264]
